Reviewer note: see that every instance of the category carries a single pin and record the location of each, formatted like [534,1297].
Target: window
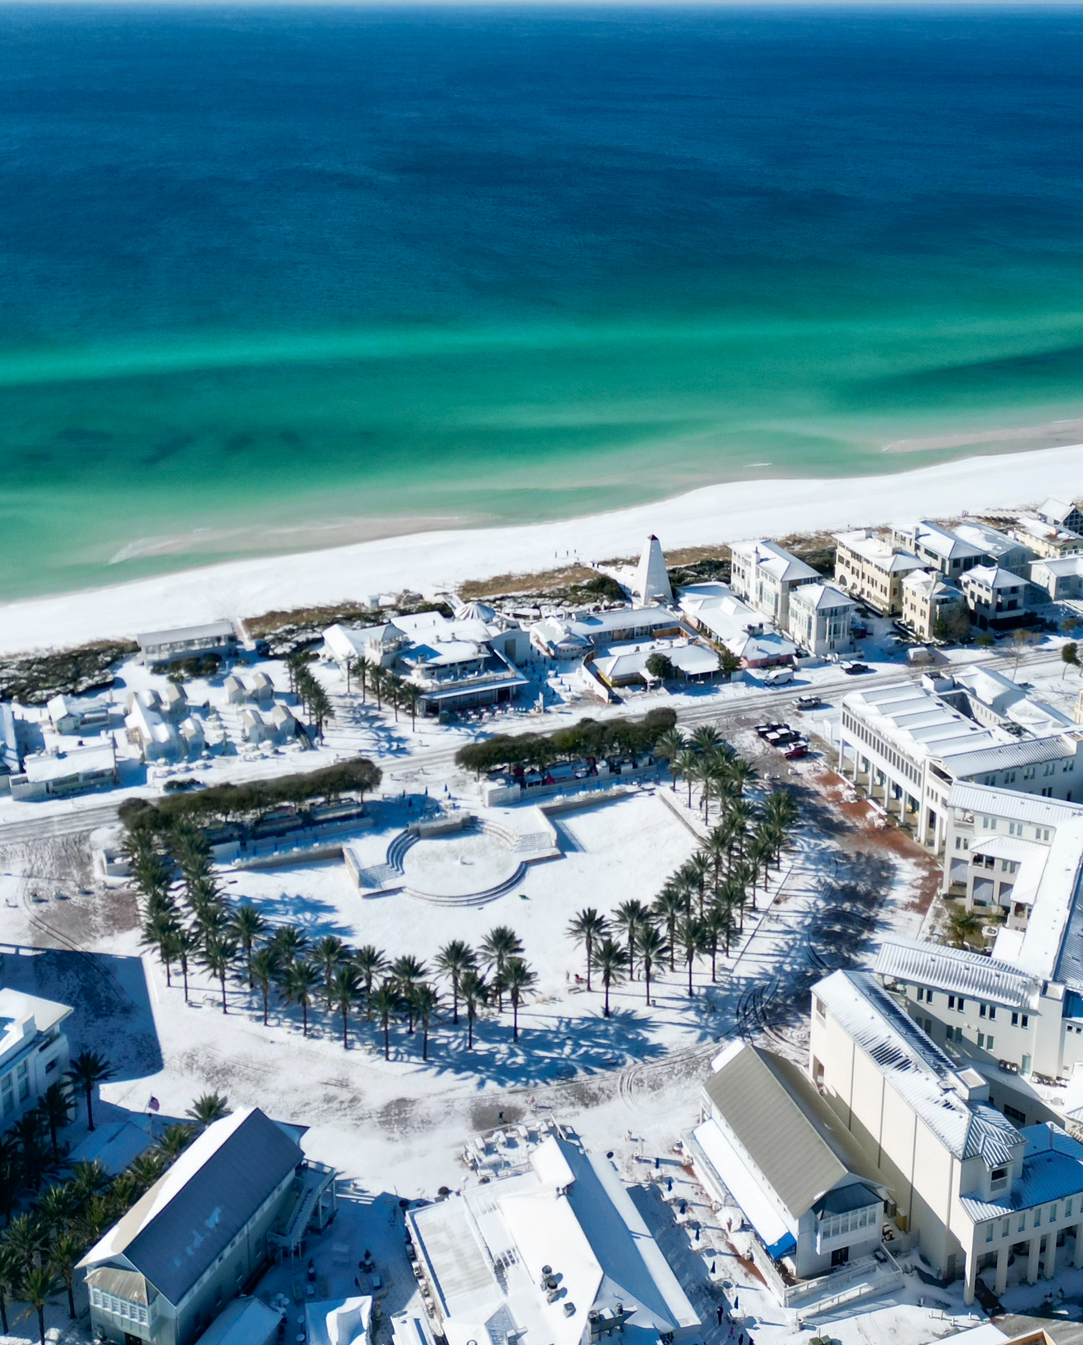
[1029,772]
[1037,1217]
[927,1024]
[990,1232]
[921,994]
[1041,833]
[998,1176]
[1020,1020]
[989,823]
[1067,1207]
[1015,828]
[956,1002]
[988,1043]
[1021,1227]
[821,1011]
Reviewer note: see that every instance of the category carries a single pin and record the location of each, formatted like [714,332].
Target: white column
[1033,1257]
[971,1276]
[1002,1269]
[1050,1267]
[1077,1259]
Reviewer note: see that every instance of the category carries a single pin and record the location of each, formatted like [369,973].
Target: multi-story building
[1000,547]
[721,617]
[872,570]
[766,576]
[971,1189]
[205,1230]
[907,744]
[1062,514]
[996,598]
[821,618]
[939,548]
[58,774]
[1046,540]
[926,598]
[33,1051]
[1061,578]
[217,639]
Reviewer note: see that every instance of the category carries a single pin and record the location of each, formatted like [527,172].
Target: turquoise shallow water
[283,278]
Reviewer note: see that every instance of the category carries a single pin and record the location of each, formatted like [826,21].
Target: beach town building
[454,665]
[721,617]
[927,599]
[765,576]
[593,632]
[33,1051]
[1060,578]
[245,1321]
[60,774]
[939,548]
[150,729]
[70,716]
[1046,540]
[692,662]
[1062,514]
[821,617]
[996,598]
[770,1141]
[872,569]
[341,1321]
[907,743]
[651,583]
[970,1188]
[10,755]
[217,638]
[999,548]
[554,1250]
[240,1192]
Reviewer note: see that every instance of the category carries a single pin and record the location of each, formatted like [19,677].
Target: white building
[33,1051]
[1062,514]
[343,1321]
[996,597]
[771,1142]
[926,597]
[907,743]
[149,728]
[217,638]
[651,583]
[579,636]
[970,1188]
[71,716]
[62,774]
[1061,577]
[714,611]
[628,666]
[555,1252]
[9,744]
[820,619]
[939,548]
[765,576]
[872,569]
[999,547]
[1046,540]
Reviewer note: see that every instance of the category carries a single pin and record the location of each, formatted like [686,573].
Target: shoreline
[443,559]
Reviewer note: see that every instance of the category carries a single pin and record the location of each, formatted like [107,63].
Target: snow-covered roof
[745,632]
[930,584]
[957,971]
[941,541]
[916,1068]
[694,660]
[1008,804]
[475,611]
[991,541]
[23,1017]
[192,1212]
[211,630]
[820,597]
[79,761]
[1052,1169]
[1056,510]
[245,1321]
[992,577]
[1039,528]
[486,1249]
[775,561]
[651,583]
[1060,565]
[881,554]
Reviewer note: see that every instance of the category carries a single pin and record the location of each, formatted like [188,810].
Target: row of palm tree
[196,925]
[42,1245]
[385,685]
[303,683]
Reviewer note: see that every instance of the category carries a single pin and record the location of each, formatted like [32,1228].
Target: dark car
[764,729]
[784,739]
[797,749]
[853,669]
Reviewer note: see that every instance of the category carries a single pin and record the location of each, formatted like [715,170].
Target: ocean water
[274,279]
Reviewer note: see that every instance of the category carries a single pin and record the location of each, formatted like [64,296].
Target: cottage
[215,638]
[62,774]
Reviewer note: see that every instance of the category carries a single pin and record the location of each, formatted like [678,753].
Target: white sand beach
[440,560]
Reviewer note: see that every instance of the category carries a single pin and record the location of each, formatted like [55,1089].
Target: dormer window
[998,1179]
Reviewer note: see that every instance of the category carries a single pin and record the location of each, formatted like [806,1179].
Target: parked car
[784,739]
[808,702]
[771,727]
[797,749]
[778,677]
[853,669]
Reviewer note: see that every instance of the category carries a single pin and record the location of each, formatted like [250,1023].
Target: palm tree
[717,924]
[588,928]
[407,973]
[632,915]
[329,954]
[609,960]
[186,944]
[218,955]
[518,979]
[25,1238]
[378,680]
[424,1001]
[158,933]
[63,1257]
[475,993]
[289,942]
[88,1069]
[36,1287]
[385,1001]
[369,962]
[498,947]
[669,748]
[297,985]
[175,1139]
[455,959]
[264,969]
[146,1168]
[687,763]
[10,1272]
[55,1106]
[56,1206]
[247,924]
[964,926]
[345,988]
[411,694]
[89,1179]
[693,940]
[705,740]
[652,946]
[208,1108]
[670,906]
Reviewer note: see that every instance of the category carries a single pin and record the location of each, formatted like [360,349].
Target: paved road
[88,813]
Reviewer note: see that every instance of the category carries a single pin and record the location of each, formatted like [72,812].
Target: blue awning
[785,1244]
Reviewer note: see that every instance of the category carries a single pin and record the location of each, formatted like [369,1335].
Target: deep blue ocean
[270,277]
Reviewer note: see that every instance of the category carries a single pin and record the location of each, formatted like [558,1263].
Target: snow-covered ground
[438,560]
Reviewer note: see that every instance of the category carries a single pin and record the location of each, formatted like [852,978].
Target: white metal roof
[918,1070]
[957,971]
[212,630]
[820,597]
[878,552]
[1010,805]
[78,761]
